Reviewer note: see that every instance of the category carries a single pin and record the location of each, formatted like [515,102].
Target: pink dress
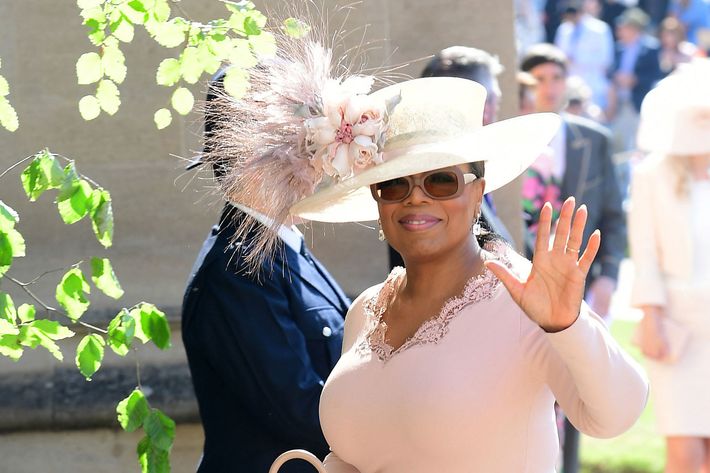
[473,390]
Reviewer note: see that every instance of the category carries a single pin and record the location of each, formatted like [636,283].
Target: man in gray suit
[582,162]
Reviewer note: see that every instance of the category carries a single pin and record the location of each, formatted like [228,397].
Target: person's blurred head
[671,33]
[548,66]
[572,10]
[593,7]
[631,24]
[472,64]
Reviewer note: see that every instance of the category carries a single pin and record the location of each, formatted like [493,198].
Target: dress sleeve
[601,389]
[333,464]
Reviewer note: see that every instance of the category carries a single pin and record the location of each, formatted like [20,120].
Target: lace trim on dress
[477,289]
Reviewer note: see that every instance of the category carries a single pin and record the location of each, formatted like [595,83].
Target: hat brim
[508,148]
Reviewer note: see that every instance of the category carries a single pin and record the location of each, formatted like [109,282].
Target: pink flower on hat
[345,138]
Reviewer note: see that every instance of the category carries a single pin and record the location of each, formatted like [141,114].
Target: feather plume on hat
[297,124]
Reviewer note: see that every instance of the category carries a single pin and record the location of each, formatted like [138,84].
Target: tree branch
[46,307]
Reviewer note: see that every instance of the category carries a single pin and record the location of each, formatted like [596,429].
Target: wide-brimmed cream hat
[675,116]
[437,123]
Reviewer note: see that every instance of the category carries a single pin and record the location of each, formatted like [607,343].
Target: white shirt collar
[289,235]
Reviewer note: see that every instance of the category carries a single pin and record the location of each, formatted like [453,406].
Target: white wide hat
[675,116]
[436,123]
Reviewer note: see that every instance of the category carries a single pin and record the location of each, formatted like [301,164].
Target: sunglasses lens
[441,184]
[393,190]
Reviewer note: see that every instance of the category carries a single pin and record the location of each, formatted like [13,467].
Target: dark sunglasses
[441,184]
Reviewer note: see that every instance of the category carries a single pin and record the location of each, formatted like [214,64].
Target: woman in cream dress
[454,364]
[669,226]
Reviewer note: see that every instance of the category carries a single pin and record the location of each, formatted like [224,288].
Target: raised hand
[553,293]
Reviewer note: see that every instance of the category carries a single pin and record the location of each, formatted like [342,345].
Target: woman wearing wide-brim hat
[454,364]
[669,233]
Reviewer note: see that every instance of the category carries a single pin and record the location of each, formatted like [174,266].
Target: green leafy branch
[79,197]
[8,116]
[238,40]
[153,450]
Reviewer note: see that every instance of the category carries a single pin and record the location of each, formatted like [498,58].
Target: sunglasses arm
[468,178]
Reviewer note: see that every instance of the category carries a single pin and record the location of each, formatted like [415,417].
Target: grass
[641,449]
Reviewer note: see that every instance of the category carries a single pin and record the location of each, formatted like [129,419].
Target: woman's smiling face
[422,228]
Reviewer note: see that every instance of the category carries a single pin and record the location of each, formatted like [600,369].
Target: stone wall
[162,213]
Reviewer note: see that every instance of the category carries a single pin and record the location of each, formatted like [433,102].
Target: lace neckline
[432,330]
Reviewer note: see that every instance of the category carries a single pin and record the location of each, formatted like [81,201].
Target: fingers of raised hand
[542,242]
[574,242]
[590,252]
[563,225]
[509,280]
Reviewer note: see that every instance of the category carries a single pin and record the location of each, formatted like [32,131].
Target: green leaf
[89,355]
[114,64]
[4,87]
[84,4]
[108,96]
[44,333]
[104,278]
[241,56]
[210,62]
[191,67]
[8,216]
[89,107]
[296,28]
[102,216]
[163,118]
[263,45]
[161,10]
[50,169]
[151,458]
[182,101]
[137,5]
[121,331]
[10,346]
[132,411]
[251,27]
[12,245]
[151,324]
[70,293]
[74,202]
[8,115]
[97,33]
[171,33]
[135,11]
[26,312]
[88,68]
[236,82]
[168,72]
[51,329]
[160,429]
[221,46]
[123,30]
[95,13]
[7,308]
[6,328]
[44,172]
[239,6]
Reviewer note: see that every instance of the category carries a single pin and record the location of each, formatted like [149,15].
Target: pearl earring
[476,227]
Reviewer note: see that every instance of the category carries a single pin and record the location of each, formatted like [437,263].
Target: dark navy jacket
[259,353]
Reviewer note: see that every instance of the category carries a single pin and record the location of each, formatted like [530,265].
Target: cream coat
[661,245]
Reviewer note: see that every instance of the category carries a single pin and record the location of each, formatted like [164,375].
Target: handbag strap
[300,455]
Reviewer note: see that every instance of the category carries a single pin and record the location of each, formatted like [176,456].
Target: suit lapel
[299,266]
[578,152]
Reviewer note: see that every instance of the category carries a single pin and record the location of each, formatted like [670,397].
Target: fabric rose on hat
[346,137]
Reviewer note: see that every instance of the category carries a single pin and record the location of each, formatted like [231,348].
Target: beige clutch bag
[297,454]
[678,336]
